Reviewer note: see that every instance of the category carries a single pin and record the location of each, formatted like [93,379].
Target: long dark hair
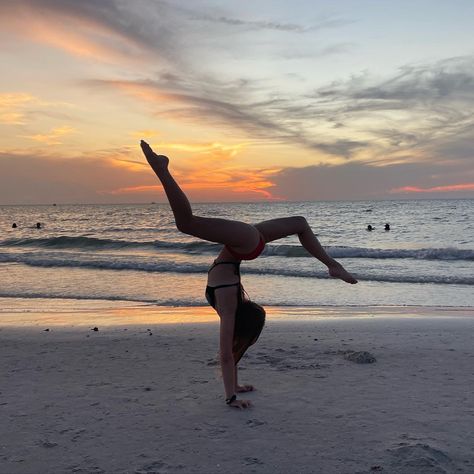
[249,322]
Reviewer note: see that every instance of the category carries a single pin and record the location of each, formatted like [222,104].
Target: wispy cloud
[139,134]
[419,107]
[449,188]
[109,30]
[19,108]
[54,137]
[226,106]
[13,107]
[271,25]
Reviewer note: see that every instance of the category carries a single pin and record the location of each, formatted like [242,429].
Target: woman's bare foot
[244,388]
[157,162]
[338,271]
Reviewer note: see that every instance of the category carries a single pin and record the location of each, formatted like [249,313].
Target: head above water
[249,322]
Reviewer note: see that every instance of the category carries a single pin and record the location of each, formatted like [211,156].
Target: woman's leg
[275,229]
[239,236]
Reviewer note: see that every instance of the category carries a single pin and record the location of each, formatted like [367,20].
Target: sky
[260,100]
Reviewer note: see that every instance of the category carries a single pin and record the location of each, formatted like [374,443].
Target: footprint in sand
[359,357]
[249,461]
[419,458]
[158,467]
[255,423]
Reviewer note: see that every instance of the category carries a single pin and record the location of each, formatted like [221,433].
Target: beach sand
[138,396]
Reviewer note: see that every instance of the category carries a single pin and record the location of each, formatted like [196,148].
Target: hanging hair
[249,322]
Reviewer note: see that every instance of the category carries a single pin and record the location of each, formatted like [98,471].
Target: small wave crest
[148,265]
[449,253]
[201,247]
[93,243]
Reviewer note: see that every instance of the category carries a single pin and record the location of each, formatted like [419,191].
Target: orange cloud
[12,107]
[213,148]
[16,106]
[211,170]
[135,190]
[147,93]
[231,180]
[144,134]
[129,165]
[442,189]
[79,36]
[253,184]
[53,137]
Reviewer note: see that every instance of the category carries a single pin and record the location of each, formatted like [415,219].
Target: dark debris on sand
[359,357]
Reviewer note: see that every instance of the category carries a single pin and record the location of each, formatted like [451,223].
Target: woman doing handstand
[241,320]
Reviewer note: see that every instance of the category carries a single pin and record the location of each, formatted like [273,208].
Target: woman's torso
[223,273]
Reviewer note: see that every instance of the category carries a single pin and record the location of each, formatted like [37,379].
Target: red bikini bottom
[249,256]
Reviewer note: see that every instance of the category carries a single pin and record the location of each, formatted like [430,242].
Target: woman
[241,320]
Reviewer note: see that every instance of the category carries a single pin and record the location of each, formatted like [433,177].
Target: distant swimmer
[14,226]
[38,225]
[369,227]
[387,226]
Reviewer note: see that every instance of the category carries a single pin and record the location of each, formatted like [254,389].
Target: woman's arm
[225,352]
[241,388]
[226,306]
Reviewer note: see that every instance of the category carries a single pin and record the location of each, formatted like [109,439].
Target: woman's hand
[244,388]
[240,404]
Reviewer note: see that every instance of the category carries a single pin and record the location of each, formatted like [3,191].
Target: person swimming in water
[241,320]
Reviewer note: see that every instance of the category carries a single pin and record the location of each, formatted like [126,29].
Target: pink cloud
[434,189]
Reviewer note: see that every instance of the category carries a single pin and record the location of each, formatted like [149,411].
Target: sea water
[133,253]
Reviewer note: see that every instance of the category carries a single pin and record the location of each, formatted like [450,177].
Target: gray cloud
[443,90]
[45,179]
[273,25]
[353,181]
[150,25]
[422,108]
[269,120]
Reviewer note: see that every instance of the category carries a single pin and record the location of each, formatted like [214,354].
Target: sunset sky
[252,100]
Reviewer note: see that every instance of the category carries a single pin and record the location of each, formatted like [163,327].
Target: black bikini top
[210,290]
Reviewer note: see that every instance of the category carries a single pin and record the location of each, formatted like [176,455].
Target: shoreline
[69,314]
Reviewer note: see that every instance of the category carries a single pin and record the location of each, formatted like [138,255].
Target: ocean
[126,254]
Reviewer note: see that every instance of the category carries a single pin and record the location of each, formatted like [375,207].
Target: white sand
[124,401]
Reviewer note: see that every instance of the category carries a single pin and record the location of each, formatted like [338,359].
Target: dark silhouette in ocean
[14,226]
[38,225]
[387,226]
[370,228]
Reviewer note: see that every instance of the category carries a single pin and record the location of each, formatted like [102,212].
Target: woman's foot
[338,271]
[244,388]
[157,162]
